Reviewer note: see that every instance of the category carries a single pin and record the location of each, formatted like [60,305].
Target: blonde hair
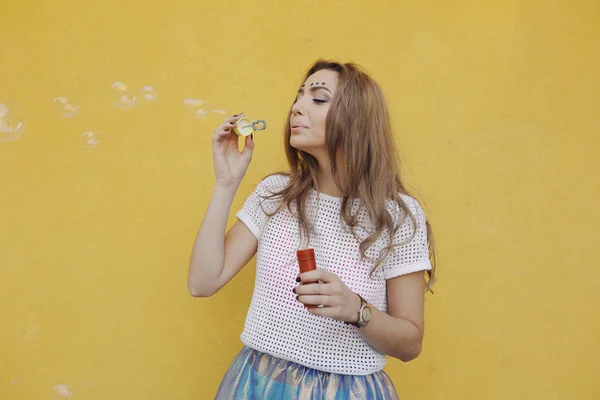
[362,151]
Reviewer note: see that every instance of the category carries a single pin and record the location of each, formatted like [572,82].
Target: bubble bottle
[307,262]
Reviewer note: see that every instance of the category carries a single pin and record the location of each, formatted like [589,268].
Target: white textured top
[277,323]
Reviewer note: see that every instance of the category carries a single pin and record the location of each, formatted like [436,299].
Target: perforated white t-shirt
[277,323]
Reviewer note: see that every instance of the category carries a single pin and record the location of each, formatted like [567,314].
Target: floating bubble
[148,93]
[63,390]
[65,107]
[3,110]
[10,126]
[90,139]
[219,111]
[122,96]
[196,104]
[193,102]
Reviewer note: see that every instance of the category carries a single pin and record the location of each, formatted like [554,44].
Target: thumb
[248,146]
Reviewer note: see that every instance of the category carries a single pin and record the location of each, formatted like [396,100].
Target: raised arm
[216,256]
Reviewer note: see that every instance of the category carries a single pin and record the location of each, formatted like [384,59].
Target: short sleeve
[252,213]
[414,255]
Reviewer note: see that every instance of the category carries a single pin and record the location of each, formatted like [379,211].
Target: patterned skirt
[260,376]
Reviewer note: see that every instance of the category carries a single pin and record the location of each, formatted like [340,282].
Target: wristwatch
[364,314]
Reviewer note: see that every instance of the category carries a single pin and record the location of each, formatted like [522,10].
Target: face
[310,111]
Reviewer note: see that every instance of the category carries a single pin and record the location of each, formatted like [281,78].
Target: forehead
[324,75]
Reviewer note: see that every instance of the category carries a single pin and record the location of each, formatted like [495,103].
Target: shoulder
[273,183]
[410,202]
[408,214]
[266,190]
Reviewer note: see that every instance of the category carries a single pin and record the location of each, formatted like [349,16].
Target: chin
[299,144]
[295,143]
[306,149]
[305,144]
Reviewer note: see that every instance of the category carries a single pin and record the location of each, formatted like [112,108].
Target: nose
[296,110]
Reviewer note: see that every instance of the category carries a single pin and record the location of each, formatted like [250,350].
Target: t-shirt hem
[309,365]
[423,265]
[247,220]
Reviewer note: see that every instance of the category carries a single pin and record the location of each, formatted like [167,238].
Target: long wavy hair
[364,161]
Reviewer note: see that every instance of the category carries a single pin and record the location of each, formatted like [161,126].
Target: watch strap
[363,303]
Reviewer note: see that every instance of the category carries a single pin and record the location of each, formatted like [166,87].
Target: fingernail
[232,123]
[236,115]
[298,279]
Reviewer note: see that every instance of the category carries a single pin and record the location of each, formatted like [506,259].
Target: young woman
[344,198]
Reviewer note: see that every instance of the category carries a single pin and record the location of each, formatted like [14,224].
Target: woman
[342,196]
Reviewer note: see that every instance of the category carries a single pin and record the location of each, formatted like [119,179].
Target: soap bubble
[62,390]
[122,96]
[196,104]
[65,107]
[191,102]
[11,127]
[3,111]
[148,93]
[90,139]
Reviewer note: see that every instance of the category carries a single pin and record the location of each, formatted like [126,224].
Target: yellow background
[496,105]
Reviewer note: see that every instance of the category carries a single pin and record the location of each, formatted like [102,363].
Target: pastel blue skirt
[260,376]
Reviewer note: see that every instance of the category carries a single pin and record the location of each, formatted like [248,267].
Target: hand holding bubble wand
[231,164]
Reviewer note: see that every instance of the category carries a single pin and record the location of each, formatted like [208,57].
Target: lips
[298,125]
[297,129]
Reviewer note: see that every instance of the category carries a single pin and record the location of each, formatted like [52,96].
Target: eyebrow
[314,89]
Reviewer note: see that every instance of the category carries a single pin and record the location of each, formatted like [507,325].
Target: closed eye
[319,101]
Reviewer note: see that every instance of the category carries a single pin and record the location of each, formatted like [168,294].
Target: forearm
[206,263]
[395,337]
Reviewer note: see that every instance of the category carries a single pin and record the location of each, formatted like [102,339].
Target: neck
[326,184]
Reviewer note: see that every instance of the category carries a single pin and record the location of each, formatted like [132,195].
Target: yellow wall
[497,108]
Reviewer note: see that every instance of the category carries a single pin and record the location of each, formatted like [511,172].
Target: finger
[227,125]
[222,128]
[225,128]
[316,300]
[235,117]
[313,289]
[318,274]
[223,134]
[248,147]
[323,311]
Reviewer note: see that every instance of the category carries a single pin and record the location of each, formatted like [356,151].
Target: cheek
[322,117]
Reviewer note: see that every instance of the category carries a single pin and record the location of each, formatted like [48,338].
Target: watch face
[367,314]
